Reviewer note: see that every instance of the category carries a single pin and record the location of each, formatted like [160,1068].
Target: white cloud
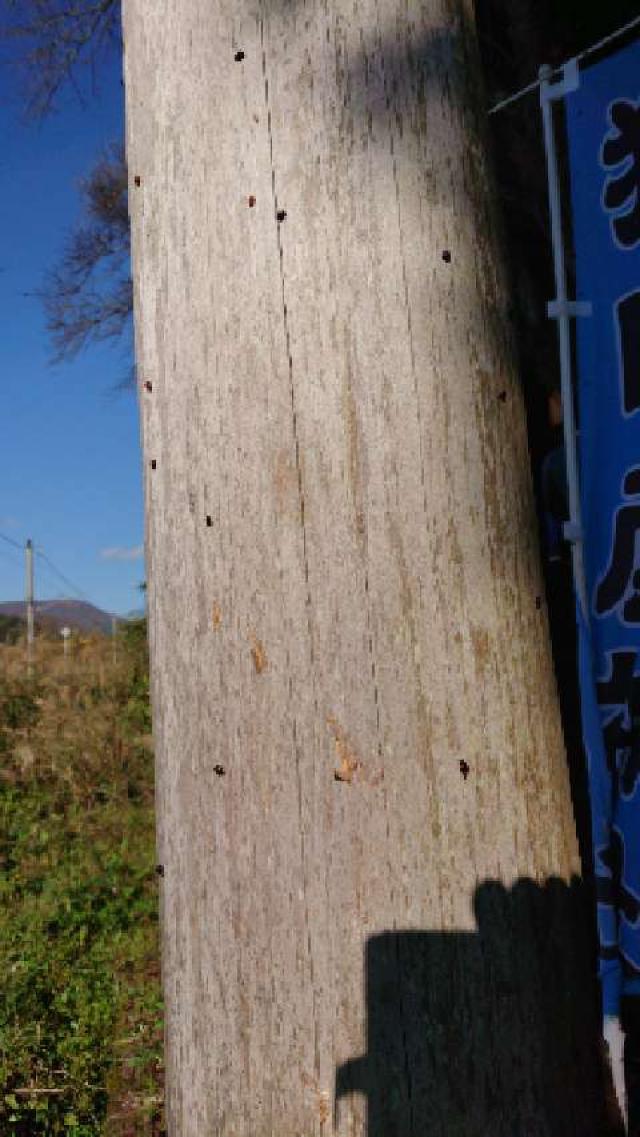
[117,553]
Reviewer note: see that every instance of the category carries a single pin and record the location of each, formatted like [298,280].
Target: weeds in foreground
[80,1014]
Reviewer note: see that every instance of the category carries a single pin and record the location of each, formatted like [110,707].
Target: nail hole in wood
[538,602]
[153,463]
[465,769]
[446,256]
[502,396]
[137,180]
[239,56]
[160,870]
[281,214]
[252,200]
[219,770]
[147,385]
[209,521]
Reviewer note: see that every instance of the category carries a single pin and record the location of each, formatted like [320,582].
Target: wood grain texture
[355,713]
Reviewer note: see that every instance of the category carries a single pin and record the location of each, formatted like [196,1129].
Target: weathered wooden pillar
[355,714]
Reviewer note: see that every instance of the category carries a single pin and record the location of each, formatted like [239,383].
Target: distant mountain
[135,614]
[75,614]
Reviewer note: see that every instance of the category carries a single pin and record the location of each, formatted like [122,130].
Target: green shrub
[80,1002]
[19,703]
[11,629]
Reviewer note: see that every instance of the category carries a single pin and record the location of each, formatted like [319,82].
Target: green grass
[80,1012]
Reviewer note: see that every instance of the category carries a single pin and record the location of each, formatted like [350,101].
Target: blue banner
[603,124]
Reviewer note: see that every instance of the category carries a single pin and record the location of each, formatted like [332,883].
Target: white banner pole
[562,310]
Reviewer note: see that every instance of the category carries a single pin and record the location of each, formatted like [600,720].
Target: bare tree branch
[58,38]
[88,296]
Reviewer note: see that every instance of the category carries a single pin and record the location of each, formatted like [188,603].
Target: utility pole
[29,602]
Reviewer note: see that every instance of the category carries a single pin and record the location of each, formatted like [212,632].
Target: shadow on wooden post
[493,1032]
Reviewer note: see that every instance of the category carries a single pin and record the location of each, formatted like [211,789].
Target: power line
[60,575]
[591,50]
[10,556]
[10,541]
[54,584]
[65,580]
[51,567]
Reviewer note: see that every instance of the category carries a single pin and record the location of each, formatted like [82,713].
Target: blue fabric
[603,125]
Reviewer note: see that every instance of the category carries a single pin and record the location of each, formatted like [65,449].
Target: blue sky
[70,469]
